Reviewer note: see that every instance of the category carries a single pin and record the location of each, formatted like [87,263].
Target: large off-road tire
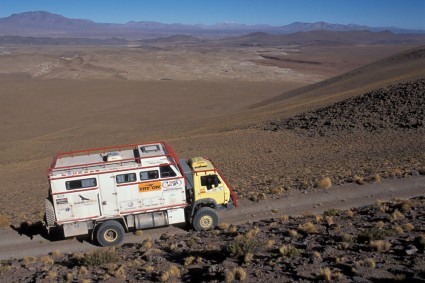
[50,217]
[205,219]
[110,233]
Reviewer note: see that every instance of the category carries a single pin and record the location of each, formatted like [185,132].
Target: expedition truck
[105,192]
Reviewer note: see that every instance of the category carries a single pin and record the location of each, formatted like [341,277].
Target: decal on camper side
[149,187]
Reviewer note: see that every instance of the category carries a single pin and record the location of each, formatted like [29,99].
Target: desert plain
[275,119]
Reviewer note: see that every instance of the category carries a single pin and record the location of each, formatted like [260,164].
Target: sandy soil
[46,108]
[205,101]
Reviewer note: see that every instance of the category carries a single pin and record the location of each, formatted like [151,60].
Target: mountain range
[45,24]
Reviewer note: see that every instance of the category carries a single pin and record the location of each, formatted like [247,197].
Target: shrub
[370,262]
[308,228]
[325,183]
[189,260]
[46,259]
[289,251]
[374,233]
[242,245]
[358,180]
[101,256]
[325,274]
[377,178]
[293,233]
[29,259]
[408,227]
[277,190]
[240,273]
[397,215]
[172,272]
[332,212]
[380,245]
[248,257]
[224,226]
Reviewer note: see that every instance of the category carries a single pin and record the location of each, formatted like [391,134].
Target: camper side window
[167,171]
[126,178]
[80,184]
[149,175]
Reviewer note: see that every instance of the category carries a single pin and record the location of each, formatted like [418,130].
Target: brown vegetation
[255,251]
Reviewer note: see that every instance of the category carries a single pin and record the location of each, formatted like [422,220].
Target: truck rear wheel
[205,219]
[110,233]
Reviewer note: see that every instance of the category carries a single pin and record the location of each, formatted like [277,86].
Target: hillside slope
[402,67]
[397,107]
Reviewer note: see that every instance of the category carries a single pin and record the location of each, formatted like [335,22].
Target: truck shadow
[38,228]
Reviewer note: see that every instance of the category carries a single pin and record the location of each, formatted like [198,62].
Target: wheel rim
[110,235]
[206,222]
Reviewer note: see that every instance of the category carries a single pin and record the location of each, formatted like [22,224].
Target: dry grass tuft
[380,245]
[277,190]
[30,259]
[172,273]
[293,233]
[4,221]
[397,215]
[284,218]
[240,273]
[358,180]
[349,213]
[101,256]
[325,274]
[147,243]
[308,227]
[120,272]
[398,229]
[138,233]
[248,257]
[84,270]
[380,224]
[253,232]
[408,227]
[233,229]
[189,260]
[269,243]
[289,251]
[377,178]
[223,226]
[382,206]
[370,262]
[46,259]
[325,183]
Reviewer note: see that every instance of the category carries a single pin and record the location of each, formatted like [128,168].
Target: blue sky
[378,13]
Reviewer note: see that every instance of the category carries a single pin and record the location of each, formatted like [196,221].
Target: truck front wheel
[110,233]
[205,219]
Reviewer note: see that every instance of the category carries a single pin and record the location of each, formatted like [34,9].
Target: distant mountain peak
[43,23]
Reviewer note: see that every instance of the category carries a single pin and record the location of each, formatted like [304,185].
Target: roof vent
[113,156]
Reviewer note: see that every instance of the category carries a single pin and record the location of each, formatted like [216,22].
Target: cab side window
[126,178]
[210,181]
[167,171]
[149,175]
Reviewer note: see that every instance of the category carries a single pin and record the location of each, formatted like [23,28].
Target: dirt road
[14,245]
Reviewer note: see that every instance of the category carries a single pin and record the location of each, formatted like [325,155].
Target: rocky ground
[397,107]
[384,242]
